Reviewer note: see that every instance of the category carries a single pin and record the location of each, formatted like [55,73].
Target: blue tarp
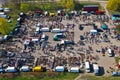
[114,18]
[104,26]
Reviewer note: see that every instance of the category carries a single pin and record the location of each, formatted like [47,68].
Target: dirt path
[78,78]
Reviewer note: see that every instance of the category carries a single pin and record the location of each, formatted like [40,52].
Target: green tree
[63,3]
[25,7]
[4,27]
[47,6]
[113,5]
[72,5]
[118,29]
[68,4]
[14,4]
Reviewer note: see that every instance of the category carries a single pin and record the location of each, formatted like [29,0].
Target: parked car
[96,69]
[1,39]
[87,66]
[2,70]
[74,69]
[118,37]
[115,73]
[110,52]
[95,27]
[25,69]
[81,27]
[11,69]
[66,42]
[11,54]
[7,37]
[81,37]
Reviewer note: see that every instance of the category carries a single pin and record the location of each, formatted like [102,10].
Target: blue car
[1,70]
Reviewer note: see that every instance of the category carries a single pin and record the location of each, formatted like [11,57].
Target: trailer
[90,8]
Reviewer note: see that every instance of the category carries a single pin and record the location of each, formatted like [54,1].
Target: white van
[93,32]
[60,69]
[35,40]
[56,30]
[6,9]
[87,66]
[84,12]
[109,52]
[63,30]
[11,69]
[37,29]
[24,69]
[2,13]
[43,36]
[45,29]
[74,69]
[96,69]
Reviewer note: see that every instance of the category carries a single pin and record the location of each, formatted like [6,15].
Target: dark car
[69,42]
[95,27]
[118,37]
[80,27]
[11,54]
[81,37]
[7,37]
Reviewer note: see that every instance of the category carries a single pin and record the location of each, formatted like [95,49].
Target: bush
[113,5]
[5,27]
[118,29]
[25,7]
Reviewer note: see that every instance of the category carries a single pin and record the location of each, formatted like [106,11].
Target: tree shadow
[78,6]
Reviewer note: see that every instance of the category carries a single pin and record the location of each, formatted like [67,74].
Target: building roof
[90,6]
